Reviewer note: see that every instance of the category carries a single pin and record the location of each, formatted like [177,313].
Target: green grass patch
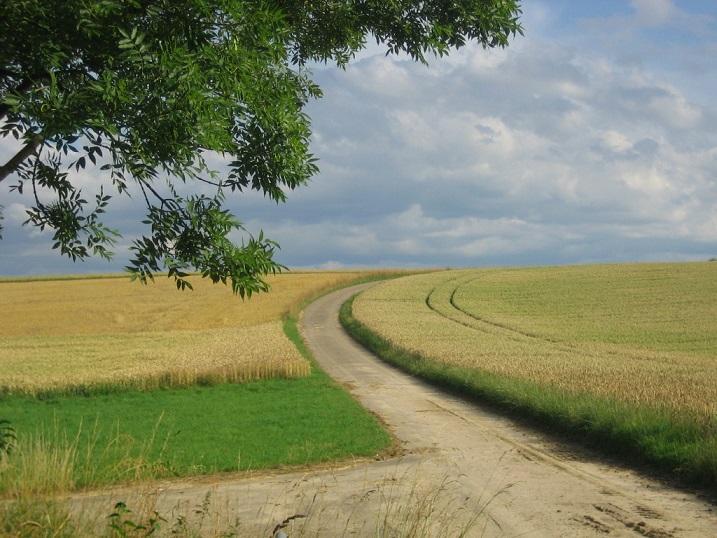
[137,435]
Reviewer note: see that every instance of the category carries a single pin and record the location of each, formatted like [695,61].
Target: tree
[150,91]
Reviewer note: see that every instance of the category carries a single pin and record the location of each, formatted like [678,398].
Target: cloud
[592,139]
[654,12]
[546,137]
[549,154]
[15,214]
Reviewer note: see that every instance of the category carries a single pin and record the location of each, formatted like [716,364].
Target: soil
[456,470]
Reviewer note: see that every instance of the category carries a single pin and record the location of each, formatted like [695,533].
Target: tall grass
[39,518]
[52,461]
[38,466]
[395,505]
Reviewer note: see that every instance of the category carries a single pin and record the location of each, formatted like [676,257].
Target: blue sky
[592,139]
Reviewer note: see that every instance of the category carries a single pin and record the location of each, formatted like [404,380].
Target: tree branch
[27,150]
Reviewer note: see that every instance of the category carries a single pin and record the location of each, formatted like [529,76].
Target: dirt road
[462,469]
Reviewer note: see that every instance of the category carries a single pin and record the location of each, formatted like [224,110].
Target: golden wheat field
[638,333]
[57,334]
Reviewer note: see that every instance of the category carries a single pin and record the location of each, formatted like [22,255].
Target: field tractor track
[471,320]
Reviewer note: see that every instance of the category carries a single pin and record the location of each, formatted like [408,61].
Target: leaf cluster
[122,523]
[152,92]
[334,30]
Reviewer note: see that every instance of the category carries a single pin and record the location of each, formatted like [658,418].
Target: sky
[591,139]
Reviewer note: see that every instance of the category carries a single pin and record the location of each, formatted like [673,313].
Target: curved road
[532,490]
[459,468]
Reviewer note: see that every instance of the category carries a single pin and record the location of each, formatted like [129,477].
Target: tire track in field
[484,325]
[513,332]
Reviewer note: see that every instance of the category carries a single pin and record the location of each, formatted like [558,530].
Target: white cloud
[616,141]
[675,111]
[381,77]
[654,12]
[592,139]
[15,214]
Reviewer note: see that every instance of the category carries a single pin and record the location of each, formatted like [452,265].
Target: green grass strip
[138,435]
[639,435]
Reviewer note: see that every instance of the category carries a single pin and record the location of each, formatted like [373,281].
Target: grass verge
[648,436]
[107,439]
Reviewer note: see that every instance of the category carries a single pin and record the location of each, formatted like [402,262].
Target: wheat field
[645,334]
[77,334]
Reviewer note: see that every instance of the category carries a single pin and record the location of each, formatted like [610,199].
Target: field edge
[645,439]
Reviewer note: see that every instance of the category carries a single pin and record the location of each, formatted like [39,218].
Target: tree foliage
[152,92]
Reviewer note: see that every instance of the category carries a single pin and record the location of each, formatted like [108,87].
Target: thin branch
[144,193]
[212,183]
[28,150]
[153,191]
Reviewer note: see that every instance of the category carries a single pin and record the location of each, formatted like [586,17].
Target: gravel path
[461,469]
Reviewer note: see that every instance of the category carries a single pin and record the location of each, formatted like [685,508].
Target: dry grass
[400,503]
[69,334]
[642,334]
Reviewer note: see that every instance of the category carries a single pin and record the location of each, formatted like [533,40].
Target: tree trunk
[27,150]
